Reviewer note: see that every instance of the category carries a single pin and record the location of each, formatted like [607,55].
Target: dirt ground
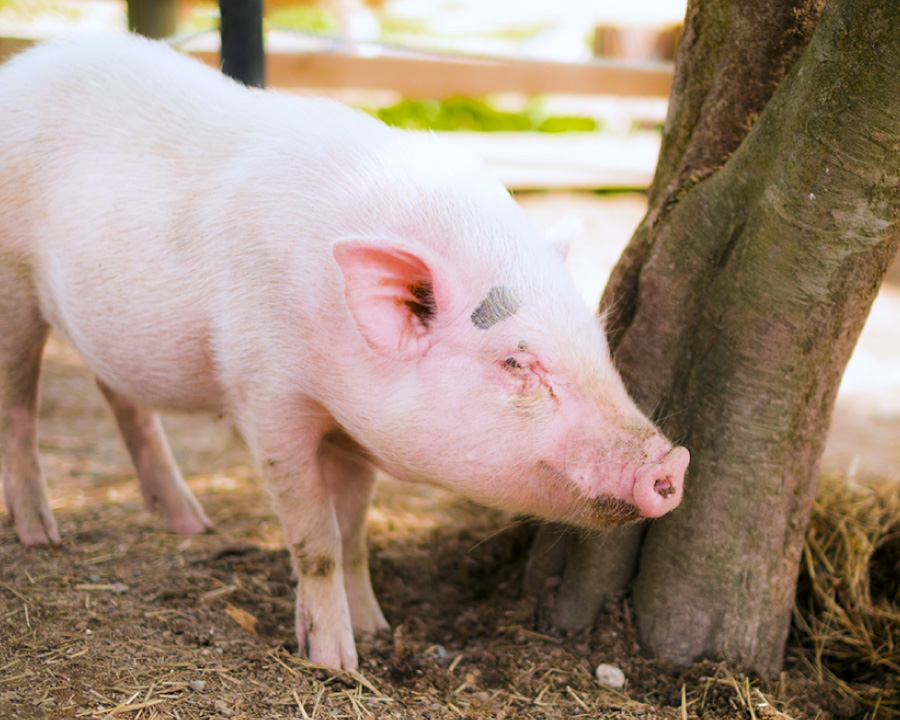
[126,621]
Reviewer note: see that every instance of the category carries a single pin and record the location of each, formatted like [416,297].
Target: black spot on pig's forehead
[499,304]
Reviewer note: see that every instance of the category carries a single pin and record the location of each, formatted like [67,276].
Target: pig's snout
[658,486]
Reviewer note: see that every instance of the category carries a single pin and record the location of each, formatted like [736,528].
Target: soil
[124,620]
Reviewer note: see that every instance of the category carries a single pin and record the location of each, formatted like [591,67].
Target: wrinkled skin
[354,296]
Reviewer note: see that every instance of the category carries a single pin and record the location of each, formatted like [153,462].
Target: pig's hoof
[370,623]
[189,524]
[333,654]
[41,531]
[187,518]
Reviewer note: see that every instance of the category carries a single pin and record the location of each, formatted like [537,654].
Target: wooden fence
[433,75]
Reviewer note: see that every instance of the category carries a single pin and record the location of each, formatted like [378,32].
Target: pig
[354,296]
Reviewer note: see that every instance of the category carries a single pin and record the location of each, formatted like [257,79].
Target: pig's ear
[560,234]
[394,294]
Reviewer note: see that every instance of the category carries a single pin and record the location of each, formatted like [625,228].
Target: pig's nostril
[664,487]
[658,487]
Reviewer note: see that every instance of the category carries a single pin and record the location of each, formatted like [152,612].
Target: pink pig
[354,296]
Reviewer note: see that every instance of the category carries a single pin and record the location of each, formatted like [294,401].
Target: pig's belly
[177,376]
[157,352]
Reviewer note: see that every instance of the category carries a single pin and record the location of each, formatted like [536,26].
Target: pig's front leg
[289,457]
[351,481]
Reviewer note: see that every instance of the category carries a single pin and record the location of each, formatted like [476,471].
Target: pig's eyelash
[512,364]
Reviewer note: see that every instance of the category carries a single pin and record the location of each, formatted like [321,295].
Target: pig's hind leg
[351,481]
[162,485]
[23,332]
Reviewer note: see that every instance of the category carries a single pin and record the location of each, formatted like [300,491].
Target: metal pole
[243,53]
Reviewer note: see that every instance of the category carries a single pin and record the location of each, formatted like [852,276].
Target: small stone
[223,708]
[610,676]
[197,685]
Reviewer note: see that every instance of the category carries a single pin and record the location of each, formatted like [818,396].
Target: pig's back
[121,109]
[124,171]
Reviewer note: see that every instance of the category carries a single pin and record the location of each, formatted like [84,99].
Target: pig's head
[487,374]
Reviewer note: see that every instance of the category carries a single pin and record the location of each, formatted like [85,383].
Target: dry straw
[847,614]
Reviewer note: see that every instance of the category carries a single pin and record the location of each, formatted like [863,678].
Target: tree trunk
[731,58]
[153,18]
[736,306]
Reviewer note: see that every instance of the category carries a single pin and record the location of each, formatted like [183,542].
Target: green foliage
[304,18]
[201,15]
[519,32]
[567,123]
[399,25]
[460,113]
[402,25]
[32,9]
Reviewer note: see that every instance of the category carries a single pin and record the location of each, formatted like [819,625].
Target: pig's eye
[524,376]
[518,365]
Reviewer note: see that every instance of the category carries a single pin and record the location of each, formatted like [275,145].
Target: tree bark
[736,306]
[731,58]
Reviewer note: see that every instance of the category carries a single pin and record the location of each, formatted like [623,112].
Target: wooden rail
[437,76]
[433,77]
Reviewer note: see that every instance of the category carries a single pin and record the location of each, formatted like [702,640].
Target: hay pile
[847,613]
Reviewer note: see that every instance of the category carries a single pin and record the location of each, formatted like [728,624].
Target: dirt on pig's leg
[288,452]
